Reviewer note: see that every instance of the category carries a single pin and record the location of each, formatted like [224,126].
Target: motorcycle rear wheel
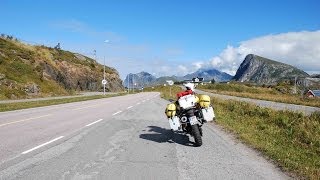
[197,135]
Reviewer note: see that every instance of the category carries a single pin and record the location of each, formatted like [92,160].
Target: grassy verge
[259,93]
[290,139]
[32,104]
[165,91]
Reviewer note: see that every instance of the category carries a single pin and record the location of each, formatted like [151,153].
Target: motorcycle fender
[193,120]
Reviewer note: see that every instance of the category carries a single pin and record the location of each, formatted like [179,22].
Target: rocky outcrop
[261,70]
[43,71]
[139,80]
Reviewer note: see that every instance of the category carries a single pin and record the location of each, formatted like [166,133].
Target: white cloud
[300,49]
[198,65]
[182,70]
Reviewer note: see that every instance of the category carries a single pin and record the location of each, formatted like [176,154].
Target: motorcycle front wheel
[197,135]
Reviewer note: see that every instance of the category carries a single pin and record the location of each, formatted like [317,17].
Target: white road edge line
[129,107]
[37,147]
[93,122]
[116,113]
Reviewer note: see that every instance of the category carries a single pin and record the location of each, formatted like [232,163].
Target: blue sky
[159,36]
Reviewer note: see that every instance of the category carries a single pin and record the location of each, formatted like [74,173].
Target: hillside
[37,71]
[261,70]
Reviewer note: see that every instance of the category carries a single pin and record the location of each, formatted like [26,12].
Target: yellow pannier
[171,110]
[204,101]
[197,99]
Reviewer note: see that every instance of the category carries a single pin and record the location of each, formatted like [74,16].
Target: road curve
[124,137]
[268,104]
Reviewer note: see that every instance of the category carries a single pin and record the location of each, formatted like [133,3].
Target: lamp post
[104,75]
[128,81]
[104,81]
[133,83]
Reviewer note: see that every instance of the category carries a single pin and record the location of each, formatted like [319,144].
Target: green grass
[290,139]
[33,104]
[270,94]
[165,91]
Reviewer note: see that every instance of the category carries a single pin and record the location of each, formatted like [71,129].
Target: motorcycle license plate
[193,120]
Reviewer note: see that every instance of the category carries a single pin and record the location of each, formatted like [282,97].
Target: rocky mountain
[209,74]
[261,70]
[37,71]
[139,80]
[146,79]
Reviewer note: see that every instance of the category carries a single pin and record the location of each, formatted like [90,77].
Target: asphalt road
[125,137]
[56,97]
[268,104]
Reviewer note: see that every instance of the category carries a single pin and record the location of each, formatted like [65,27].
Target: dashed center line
[5,124]
[37,147]
[129,107]
[86,107]
[138,103]
[144,101]
[116,113]
[94,122]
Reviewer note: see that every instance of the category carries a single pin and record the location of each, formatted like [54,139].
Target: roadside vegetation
[165,91]
[279,93]
[28,71]
[33,104]
[289,139]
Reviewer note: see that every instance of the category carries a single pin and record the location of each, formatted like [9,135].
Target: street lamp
[128,83]
[104,81]
[128,80]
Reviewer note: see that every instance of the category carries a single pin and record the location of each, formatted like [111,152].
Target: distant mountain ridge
[146,79]
[209,74]
[261,70]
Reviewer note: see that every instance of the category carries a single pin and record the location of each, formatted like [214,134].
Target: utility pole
[104,75]
[295,85]
[95,54]
[133,83]
[128,83]
[104,72]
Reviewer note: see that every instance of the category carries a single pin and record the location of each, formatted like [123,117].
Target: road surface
[125,137]
[56,97]
[268,104]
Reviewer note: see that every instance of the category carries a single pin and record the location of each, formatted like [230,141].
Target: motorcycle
[189,113]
